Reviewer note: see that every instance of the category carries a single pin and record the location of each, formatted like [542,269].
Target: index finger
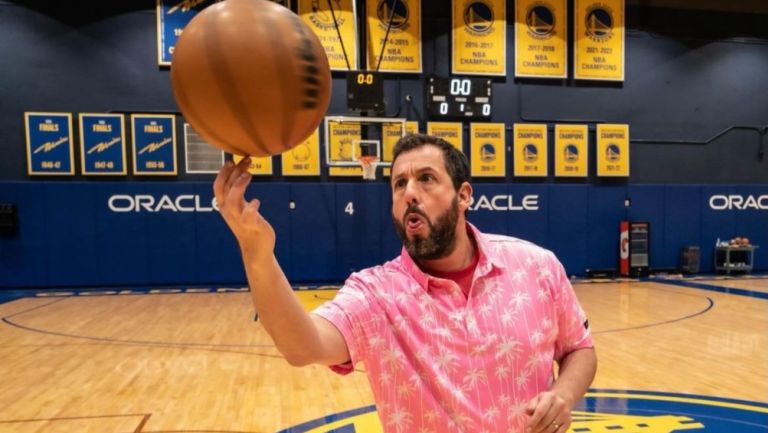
[221,180]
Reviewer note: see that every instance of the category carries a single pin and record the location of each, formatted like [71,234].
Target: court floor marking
[713,288]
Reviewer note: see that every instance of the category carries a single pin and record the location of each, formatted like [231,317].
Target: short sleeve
[350,312]
[573,326]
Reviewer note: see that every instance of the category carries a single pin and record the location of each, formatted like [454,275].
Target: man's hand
[549,412]
[253,232]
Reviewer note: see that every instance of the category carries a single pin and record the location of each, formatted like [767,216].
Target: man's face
[426,208]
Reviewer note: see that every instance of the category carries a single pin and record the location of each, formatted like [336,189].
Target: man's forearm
[279,310]
[577,370]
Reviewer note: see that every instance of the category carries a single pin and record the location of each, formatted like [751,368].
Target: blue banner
[102,144]
[172,17]
[49,143]
[154,144]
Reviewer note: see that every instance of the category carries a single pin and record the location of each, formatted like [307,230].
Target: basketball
[250,77]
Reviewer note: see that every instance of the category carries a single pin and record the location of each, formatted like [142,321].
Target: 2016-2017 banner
[479,37]
[329,20]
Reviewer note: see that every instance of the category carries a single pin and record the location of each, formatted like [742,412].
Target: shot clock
[459,97]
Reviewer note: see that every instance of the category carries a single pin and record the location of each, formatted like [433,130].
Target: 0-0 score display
[459,97]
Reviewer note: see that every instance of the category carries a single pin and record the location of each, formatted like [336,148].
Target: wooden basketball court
[196,362]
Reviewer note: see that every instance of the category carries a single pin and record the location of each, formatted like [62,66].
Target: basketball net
[369,164]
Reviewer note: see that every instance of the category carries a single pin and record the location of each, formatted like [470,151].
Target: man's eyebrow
[417,172]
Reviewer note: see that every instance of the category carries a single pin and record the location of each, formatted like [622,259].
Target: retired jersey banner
[530,149]
[571,150]
[102,144]
[50,149]
[341,142]
[541,36]
[448,131]
[402,52]
[304,159]
[613,150]
[154,144]
[599,52]
[319,16]
[260,166]
[486,143]
[479,37]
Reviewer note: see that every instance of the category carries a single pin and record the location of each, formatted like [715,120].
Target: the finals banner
[479,37]
[488,152]
[402,52]
[541,35]
[319,16]
[571,150]
[599,53]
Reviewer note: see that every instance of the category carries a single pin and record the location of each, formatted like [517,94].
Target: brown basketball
[250,77]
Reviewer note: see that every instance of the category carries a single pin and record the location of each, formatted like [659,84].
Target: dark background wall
[695,97]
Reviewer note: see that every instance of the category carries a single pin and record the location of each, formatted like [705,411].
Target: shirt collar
[488,259]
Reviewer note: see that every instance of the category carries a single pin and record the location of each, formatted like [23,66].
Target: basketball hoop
[369,164]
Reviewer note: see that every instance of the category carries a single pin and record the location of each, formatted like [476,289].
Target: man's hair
[456,162]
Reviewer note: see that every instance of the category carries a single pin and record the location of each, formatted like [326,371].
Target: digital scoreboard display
[459,97]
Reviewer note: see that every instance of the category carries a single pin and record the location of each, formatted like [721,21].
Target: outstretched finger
[240,168]
[221,180]
[235,197]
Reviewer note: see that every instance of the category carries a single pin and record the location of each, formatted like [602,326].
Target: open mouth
[414,221]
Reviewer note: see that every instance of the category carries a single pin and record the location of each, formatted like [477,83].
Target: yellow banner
[599,52]
[479,37]
[530,149]
[448,131]
[304,159]
[613,150]
[411,127]
[402,52]
[318,15]
[259,166]
[342,137]
[541,38]
[571,150]
[489,156]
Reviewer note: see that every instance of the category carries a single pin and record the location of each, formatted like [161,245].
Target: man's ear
[465,196]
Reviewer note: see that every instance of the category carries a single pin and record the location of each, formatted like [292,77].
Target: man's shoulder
[379,273]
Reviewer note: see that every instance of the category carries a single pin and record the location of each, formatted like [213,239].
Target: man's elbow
[298,359]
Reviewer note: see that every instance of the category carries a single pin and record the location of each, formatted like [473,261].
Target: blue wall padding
[69,236]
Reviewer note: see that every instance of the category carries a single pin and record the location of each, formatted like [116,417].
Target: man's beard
[442,234]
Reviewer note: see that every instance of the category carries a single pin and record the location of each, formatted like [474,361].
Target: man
[459,333]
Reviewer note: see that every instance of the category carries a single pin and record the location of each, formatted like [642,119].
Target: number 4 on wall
[350,209]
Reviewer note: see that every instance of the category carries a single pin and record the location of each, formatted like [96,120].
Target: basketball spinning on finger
[250,77]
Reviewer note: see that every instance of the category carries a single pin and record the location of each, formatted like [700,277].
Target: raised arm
[302,338]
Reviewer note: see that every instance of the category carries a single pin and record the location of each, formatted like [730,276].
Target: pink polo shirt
[439,362]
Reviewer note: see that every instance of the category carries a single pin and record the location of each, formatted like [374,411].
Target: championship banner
[342,138]
[402,52]
[571,150]
[50,150]
[448,131]
[304,159]
[411,127]
[489,156]
[479,37]
[260,165]
[541,39]
[102,144]
[154,144]
[613,150]
[599,52]
[530,149]
[319,16]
